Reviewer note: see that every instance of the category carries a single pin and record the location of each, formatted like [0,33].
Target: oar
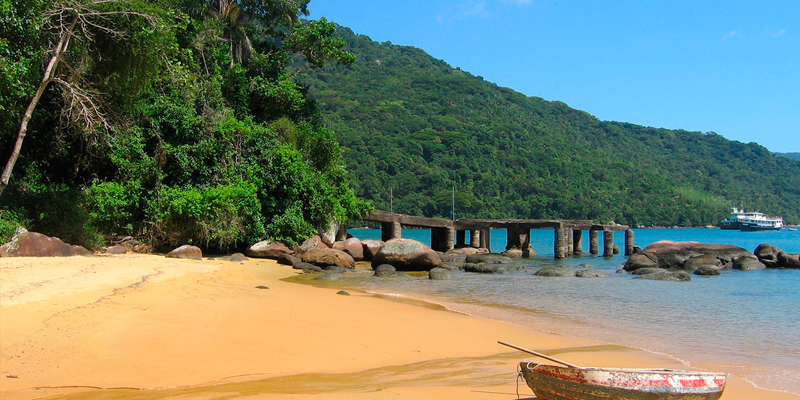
[539,354]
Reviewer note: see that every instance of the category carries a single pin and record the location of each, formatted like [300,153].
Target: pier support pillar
[628,242]
[594,243]
[513,238]
[461,238]
[475,238]
[608,243]
[391,230]
[570,238]
[442,239]
[577,237]
[560,245]
[486,239]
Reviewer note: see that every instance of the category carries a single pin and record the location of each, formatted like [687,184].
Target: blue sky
[732,67]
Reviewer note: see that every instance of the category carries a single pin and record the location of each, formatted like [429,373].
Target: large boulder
[351,246]
[314,242]
[33,244]
[787,260]
[370,248]
[705,260]
[707,270]
[186,251]
[641,260]
[767,254]
[407,255]
[324,257]
[267,249]
[748,263]
[673,255]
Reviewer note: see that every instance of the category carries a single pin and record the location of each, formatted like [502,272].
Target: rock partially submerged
[407,255]
[774,257]
[668,254]
[324,256]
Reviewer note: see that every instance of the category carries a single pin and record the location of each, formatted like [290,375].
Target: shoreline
[170,328]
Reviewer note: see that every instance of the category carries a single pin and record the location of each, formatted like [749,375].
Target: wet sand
[144,326]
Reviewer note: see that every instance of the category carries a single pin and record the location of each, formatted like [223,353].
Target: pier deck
[447,234]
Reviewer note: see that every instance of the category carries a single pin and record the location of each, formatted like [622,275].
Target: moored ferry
[751,221]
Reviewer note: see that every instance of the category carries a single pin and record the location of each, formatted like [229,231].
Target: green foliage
[413,124]
[9,221]
[212,140]
[217,217]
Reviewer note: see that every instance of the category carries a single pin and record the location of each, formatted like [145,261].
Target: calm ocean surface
[744,323]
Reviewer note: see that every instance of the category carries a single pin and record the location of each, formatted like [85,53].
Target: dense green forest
[793,156]
[412,127]
[171,121]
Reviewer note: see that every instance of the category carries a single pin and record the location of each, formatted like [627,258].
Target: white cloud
[465,11]
[778,33]
[732,34]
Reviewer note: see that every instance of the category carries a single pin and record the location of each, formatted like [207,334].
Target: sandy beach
[144,326]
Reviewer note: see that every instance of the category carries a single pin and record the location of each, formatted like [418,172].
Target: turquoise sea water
[743,323]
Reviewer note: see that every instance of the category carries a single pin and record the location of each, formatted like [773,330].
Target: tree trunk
[49,73]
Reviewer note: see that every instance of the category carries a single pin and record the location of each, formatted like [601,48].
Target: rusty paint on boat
[550,382]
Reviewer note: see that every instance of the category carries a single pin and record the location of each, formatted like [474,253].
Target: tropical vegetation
[170,121]
[413,128]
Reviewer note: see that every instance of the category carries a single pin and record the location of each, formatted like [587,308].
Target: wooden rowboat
[551,382]
[571,382]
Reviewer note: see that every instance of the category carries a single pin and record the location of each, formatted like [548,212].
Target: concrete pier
[608,243]
[628,242]
[446,234]
[594,242]
[577,238]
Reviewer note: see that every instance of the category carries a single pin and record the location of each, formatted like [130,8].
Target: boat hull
[745,227]
[551,382]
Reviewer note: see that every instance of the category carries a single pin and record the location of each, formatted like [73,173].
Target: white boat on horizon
[748,221]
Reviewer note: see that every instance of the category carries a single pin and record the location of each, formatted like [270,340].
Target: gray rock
[449,257]
[682,276]
[707,270]
[440,274]
[767,254]
[187,252]
[787,260]
[646,271]
[288,259]
[557,272]
[486,268]
[591,273]
[333,276]
[385,270]
[748,263]
[674,255]
[118,249]
[707,259]
[238,257]
[83,251]
[407,255]
[308,268]
[335,268]
[343,293]
[488,259]
[641,260]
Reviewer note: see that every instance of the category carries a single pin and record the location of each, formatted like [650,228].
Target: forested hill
[794,156]
[414,126]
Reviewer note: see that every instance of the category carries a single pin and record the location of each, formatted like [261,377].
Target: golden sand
[147,327]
